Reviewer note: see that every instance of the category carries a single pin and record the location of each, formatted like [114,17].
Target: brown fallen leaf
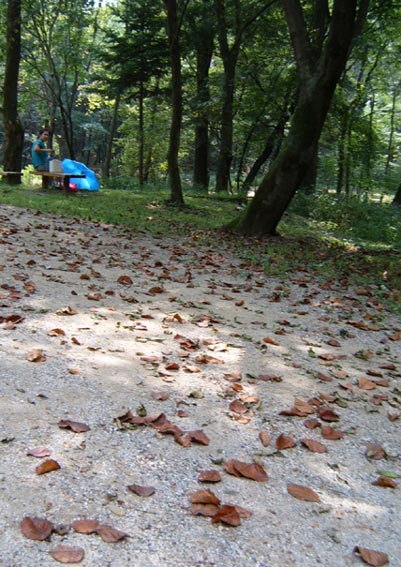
[330,433]
[56,333]
[238,407]
[208,510]
[375,452]
[67,311]
[204,497]
[39,452]
[140,490]
[47,466]
[36,528]
[372,557]
[264,438]
[284,442]
[67,554]
[327,414]
[303,493]
[36,355]
[314,446]
[366,384]
[209,476]
[85,526]
[110,534]
[159,396]
[124,280]
[253,471]
[227,515]
[74,426]
[385,482]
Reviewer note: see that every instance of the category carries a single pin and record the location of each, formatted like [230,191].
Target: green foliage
[359,220]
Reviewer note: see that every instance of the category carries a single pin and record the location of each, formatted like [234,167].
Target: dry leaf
[375,452]
[209,476]
[237,407]
[284,442]
[372,557]
[75,426]
[208,510]
[253,471]
[36,355]
[303,493]
[125,280]
[47,466]
[142,490]
[327,414]
[36,528]
[331,434]
[39,452]
[85,526]
[110,534]
[67,554]
[227,515]
[385,482]
[204,497]
[264,438]
[314,446]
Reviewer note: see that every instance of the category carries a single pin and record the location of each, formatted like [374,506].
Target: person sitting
[40,154]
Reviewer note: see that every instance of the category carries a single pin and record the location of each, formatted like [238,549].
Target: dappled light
[161,382]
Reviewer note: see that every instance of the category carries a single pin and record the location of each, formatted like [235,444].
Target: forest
[270,98]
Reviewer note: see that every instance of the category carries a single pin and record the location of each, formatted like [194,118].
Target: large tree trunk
[13,130]
[113,129]
[176,195]
[204,52]
[318,80]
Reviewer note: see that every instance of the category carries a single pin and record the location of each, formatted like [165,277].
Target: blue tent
[89,182]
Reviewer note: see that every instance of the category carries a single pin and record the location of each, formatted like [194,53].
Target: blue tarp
[89,182]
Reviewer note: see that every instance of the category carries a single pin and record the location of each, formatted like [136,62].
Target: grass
[353,242]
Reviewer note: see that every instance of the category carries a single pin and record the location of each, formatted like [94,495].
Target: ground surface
[95,321]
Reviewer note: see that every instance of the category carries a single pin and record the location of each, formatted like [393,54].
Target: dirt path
[252,377]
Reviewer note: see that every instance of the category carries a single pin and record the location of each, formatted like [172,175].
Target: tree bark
[13,130]
[176,195]
[204,51]
[318,80]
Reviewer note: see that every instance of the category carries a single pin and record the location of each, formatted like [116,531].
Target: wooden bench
[10,173]
[64,177]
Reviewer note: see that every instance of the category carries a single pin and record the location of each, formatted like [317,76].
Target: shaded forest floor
[190,409]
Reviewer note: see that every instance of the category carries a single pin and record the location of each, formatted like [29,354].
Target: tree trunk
[113,128]
[397,198]
[318,80]
[141,136]
[13,130]
[201,154]
[176,195]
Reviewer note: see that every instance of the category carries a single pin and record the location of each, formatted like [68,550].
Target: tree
[13,129]
[319,71]
[173,26]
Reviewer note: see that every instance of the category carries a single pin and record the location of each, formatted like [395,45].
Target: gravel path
[223,369]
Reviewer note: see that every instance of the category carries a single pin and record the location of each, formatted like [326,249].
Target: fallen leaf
[36,355]
[208,510]
[85,526]
[366,384]
[253,471]
[227,515]
[124,280]
[209,476]
[385,482]
[204,497]
[36,528]
[47,466]
[110,534]
[372,557]
[375,452]
[39,452]
[56,333]
[284,442]
[67,554]
[330,433]
[75,426]
[238,407]
[270,341]
[142,490]
[264,438]
[327,414]
[159,396]
[314,446]
[303,493]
